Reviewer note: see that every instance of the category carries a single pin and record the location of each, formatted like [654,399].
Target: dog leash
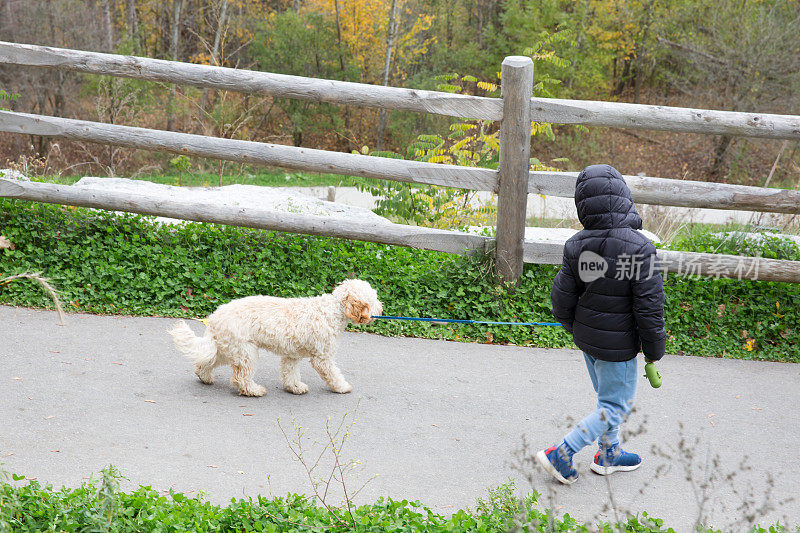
[458,321]
[447,320]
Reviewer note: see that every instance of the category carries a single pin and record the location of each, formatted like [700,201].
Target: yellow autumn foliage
[364,26]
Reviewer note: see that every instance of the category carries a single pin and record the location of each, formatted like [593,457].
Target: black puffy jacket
[611,314]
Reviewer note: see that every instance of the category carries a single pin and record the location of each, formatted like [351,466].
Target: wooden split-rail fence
[513,181]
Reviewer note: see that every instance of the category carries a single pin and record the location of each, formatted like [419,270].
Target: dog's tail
[201,350]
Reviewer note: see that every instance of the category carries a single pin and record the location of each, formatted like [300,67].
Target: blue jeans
[615,385]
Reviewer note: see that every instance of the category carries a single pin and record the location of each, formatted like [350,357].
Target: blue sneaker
[558,463]
[613,459]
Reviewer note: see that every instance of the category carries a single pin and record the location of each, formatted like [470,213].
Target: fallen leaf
[49,417]
[5,244]
[56,451]
[434,425]
[711,414]
[54,351]
[67,362]
[242,406]
[151,401]
[114,362]
[9,454]
[758,408]
[248,414]
[738,396]
[240,472]
[18,379]
[212,466]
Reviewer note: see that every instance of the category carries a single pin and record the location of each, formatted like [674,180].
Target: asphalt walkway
[435,421]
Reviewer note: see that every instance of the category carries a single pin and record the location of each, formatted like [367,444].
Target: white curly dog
[293,328]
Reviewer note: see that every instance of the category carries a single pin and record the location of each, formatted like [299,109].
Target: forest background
[741,55]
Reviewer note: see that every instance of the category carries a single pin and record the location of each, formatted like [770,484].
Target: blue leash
[457,321]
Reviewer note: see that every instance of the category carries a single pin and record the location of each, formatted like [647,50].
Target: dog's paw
[254,390]
[298,388]
[343,388]
[206,378]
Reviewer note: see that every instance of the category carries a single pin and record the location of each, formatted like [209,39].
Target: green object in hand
[651,373]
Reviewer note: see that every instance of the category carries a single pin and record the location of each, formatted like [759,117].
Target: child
[609,295]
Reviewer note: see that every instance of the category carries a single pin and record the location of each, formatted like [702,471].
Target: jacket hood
[604,200]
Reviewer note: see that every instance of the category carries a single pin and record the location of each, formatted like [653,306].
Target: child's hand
[652,374]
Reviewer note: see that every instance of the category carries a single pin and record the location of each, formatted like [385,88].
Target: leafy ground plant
[107,263]
[32,507]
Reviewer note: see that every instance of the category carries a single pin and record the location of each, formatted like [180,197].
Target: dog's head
[359,299]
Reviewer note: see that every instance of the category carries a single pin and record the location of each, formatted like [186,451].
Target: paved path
[437,421]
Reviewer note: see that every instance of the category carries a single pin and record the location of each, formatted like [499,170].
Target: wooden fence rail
[679,193]
[211,211]
[251,152]
[654,117]
[249,81]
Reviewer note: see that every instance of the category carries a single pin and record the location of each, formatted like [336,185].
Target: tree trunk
[297,6]
[624,78]
[59,98]
[214,55]
[6,16]
[641,53]
[480,14]
[107,23]
[133,22]
[176,26]
[341,66]
[391,32]
[720,150]
[218,35]
[176,23]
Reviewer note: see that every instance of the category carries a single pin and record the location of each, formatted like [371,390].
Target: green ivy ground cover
[128,264]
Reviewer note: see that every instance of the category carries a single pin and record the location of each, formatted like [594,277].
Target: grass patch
[266,177]
[128,264]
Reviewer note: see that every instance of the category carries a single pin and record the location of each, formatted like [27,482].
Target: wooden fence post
[516,82]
